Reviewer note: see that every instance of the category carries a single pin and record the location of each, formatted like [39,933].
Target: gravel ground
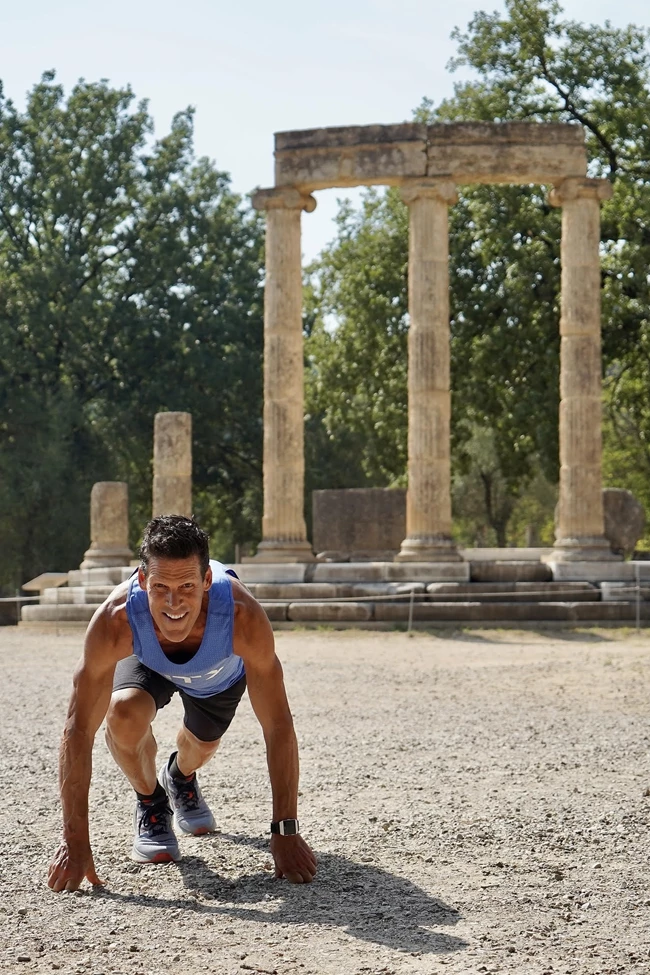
[479,802]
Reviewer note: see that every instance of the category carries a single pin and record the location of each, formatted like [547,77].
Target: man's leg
[137,695]
[206,719]
[192,752]
[130,738]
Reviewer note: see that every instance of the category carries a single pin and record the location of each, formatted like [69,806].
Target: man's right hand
[70,866]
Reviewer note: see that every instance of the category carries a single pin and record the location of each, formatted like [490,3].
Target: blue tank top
[214,667]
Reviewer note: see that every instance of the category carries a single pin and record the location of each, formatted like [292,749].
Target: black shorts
[206,717]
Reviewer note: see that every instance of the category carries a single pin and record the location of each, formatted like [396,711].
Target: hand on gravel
[69,867]
[293,859]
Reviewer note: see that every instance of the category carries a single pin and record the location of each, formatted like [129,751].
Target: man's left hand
[293,859]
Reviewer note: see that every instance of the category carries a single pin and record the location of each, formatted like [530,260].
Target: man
[185,624]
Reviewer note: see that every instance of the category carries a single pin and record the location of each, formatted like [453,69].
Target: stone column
[580,524]
[172,464]
[109,526]
[428,501]
[284,534]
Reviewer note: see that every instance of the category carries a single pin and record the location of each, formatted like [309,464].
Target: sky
[254,68]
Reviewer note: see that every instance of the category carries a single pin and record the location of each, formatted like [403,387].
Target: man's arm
[253,642]
[91,693]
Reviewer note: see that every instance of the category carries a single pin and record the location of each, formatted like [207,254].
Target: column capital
[580,188]
[283,198]
[442,190]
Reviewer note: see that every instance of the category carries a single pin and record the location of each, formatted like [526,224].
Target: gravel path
[478,803]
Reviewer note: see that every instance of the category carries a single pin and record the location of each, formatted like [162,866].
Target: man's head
[175,573]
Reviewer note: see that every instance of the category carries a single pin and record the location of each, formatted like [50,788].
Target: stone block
[339,137]
[599,571]
[47,580]
[359,520]
[277,572]
[276,612]
[58,614]
[427,571]
[504,554]
[349,572]
[316,612]
[511,152]
[493,592]
[617,592]
[107,576]
[320,158]
[624,520]
[510,572]
[299,590]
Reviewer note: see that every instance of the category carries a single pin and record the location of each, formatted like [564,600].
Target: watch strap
[285,827]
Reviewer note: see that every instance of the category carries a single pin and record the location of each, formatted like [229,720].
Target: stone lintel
[350,135]
[442,190]
[283,198]
[466,152]
[580,188]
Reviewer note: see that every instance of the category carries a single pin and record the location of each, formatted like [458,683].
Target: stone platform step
[76,594]
[467,612]
[434,591]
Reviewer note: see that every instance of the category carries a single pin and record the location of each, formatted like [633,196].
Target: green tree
[129,283]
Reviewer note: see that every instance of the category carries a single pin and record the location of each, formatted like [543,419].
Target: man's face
[175,589]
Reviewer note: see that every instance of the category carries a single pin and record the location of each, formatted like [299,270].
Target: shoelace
[187,793]
[155,819]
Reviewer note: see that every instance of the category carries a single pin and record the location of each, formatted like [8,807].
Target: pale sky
[255,68]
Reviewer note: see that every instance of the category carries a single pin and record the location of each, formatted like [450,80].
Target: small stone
[133,948]
[24,958]
[22,911]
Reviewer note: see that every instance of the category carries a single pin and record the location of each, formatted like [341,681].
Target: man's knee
[129,716]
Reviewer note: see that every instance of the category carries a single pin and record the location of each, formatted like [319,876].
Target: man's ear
[207,580]
[142,579]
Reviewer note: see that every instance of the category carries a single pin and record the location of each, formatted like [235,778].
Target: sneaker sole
[162,857]
[201,831]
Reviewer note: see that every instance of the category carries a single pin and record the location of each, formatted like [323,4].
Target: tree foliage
[129,283]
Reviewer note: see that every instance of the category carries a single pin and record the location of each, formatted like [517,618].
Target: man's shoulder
[111,618]
[251,627]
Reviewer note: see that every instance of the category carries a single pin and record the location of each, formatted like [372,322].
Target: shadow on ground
[365,901]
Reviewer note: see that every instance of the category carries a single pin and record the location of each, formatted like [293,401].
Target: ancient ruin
[109,526]
[172,464]
[428,163]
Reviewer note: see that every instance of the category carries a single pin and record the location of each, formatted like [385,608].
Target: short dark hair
[174,537]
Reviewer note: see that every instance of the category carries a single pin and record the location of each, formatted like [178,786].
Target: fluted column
[172,464]
[428,502]
[109,526]
[284,534]
[580,527]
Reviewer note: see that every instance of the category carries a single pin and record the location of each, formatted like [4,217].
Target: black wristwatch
[286,827]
